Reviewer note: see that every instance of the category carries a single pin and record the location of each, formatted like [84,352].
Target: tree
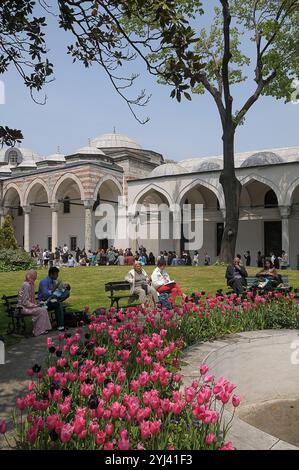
[164,34]
[167,36]
[7,235]
[22,45]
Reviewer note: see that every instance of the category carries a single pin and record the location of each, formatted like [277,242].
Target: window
[49,243]
[13,157]
[20,210]
[66,205]
[73,243]
[270,199]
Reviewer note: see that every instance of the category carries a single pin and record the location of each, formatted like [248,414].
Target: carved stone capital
[285,211]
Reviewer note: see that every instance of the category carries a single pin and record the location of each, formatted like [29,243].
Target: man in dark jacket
[236,276]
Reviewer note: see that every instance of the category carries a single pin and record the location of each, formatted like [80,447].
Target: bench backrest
[252,279]
[120,285]
[10,301]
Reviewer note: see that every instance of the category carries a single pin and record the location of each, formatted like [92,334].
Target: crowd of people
[63,256]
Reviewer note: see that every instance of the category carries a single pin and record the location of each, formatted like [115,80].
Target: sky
[81,104]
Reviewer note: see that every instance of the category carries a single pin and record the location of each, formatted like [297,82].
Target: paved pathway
[13,377]
[259,363]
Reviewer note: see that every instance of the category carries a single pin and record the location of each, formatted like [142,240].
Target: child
[61,292]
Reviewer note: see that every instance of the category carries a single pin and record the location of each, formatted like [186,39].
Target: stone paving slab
[259,363]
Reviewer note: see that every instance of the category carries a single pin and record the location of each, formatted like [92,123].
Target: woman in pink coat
[40,317]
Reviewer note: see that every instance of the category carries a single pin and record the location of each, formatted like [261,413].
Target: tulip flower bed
[118,387]
[213,317]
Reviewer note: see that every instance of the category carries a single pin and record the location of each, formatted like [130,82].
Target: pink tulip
[66,433]
[210,438]
[227,446]
[203,369]
[2,426]
[100,438]
[236,400]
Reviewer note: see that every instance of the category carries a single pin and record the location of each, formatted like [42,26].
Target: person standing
[260,260]
[26,300]
[284,260]
[195,261]
[247,257]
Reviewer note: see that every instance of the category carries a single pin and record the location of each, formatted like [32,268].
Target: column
[285,212]
[2,215]
[88,206]
[55,211]
[27,211]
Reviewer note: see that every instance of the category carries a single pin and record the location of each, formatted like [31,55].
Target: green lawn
[88,283]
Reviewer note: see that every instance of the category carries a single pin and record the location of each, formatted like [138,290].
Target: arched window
[13,157]
[66,205]
[270,199]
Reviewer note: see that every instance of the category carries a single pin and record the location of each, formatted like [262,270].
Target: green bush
[15,260]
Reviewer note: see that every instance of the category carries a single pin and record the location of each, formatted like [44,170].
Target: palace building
[53,200]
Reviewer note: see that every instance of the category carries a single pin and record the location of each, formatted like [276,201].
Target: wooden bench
[120,287]
[252,279]
[16,319]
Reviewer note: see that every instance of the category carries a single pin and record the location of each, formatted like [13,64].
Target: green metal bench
[120,287]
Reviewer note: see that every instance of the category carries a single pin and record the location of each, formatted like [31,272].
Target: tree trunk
[232,192]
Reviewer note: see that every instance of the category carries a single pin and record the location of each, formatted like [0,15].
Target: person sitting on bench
[26,300]
[236,276]
[268,278]
[45,294]
[140,284]
[162,282]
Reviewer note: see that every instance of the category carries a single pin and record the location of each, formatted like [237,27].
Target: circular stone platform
[260,364]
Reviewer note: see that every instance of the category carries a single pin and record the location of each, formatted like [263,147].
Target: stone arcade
[53,199]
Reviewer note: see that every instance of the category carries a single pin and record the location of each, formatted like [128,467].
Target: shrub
[7,235]
[15,260]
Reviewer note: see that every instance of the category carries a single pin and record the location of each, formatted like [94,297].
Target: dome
[55,157]
[167,169]
[262,158]
[202,164]
[17,156]
[89,151]
[115,141]
[5,169]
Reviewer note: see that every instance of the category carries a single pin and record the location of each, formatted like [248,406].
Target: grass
[88,284]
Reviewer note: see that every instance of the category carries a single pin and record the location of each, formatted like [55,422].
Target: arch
[16,188]
[199,182]
[35,182]
[270,199]
[254,177]
[61,180]
[153,187]
[103,180]
[290,192]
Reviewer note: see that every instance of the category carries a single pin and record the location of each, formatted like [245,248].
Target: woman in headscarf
[40,317]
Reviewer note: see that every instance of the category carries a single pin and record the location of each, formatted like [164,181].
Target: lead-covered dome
[167,169]
[202,164]
[115,141]
[19,157]
[262,158]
